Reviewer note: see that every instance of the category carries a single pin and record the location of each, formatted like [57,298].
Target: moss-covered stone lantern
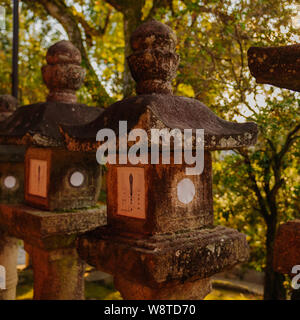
[160,241]
[61,187]
[11,159]
[11,191]
[56,178]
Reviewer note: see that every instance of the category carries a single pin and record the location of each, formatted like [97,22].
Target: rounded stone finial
[153,34]
[63,74]
[153,63]
[63,52]
[8,105]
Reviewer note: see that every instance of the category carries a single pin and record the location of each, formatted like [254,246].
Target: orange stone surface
[287,247]
[131,192]
[37,183]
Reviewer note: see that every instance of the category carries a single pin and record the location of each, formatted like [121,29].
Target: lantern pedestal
[58,274]
[163,266]
[11,191]
[190,290]
[49,238]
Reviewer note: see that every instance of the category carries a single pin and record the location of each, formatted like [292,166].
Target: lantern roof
[8,104]
[158,111]
[278,66]
[153,65]
[38,123]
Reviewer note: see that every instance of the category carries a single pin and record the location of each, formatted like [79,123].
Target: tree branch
[288,142]
[132,18]
[89,30]
[271,144]
[255,188]
[157,4]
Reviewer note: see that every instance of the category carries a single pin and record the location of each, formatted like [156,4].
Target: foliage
[236,203]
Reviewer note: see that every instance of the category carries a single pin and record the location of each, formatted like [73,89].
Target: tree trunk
[132,18]
[273,288]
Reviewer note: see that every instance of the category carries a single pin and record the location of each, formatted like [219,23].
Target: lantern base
[190,290]
[161,260]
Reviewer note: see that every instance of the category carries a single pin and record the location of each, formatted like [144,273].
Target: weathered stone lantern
[11,159]
[160,241]
[56,178]
[61,187]
[11,191]
[12,173]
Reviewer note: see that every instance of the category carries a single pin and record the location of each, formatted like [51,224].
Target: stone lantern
[61,187]
[55,178]
[12,173]
[11,159]
[160,241]
[11,191]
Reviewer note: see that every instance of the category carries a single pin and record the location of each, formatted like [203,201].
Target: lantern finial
[63,74]
[154,62]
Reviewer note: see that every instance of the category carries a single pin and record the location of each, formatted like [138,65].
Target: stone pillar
[58,274]
[190,290]
[8,259]
[49,238]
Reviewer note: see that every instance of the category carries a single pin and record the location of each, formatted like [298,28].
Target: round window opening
[76,179]
[185,190]
[10,182]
